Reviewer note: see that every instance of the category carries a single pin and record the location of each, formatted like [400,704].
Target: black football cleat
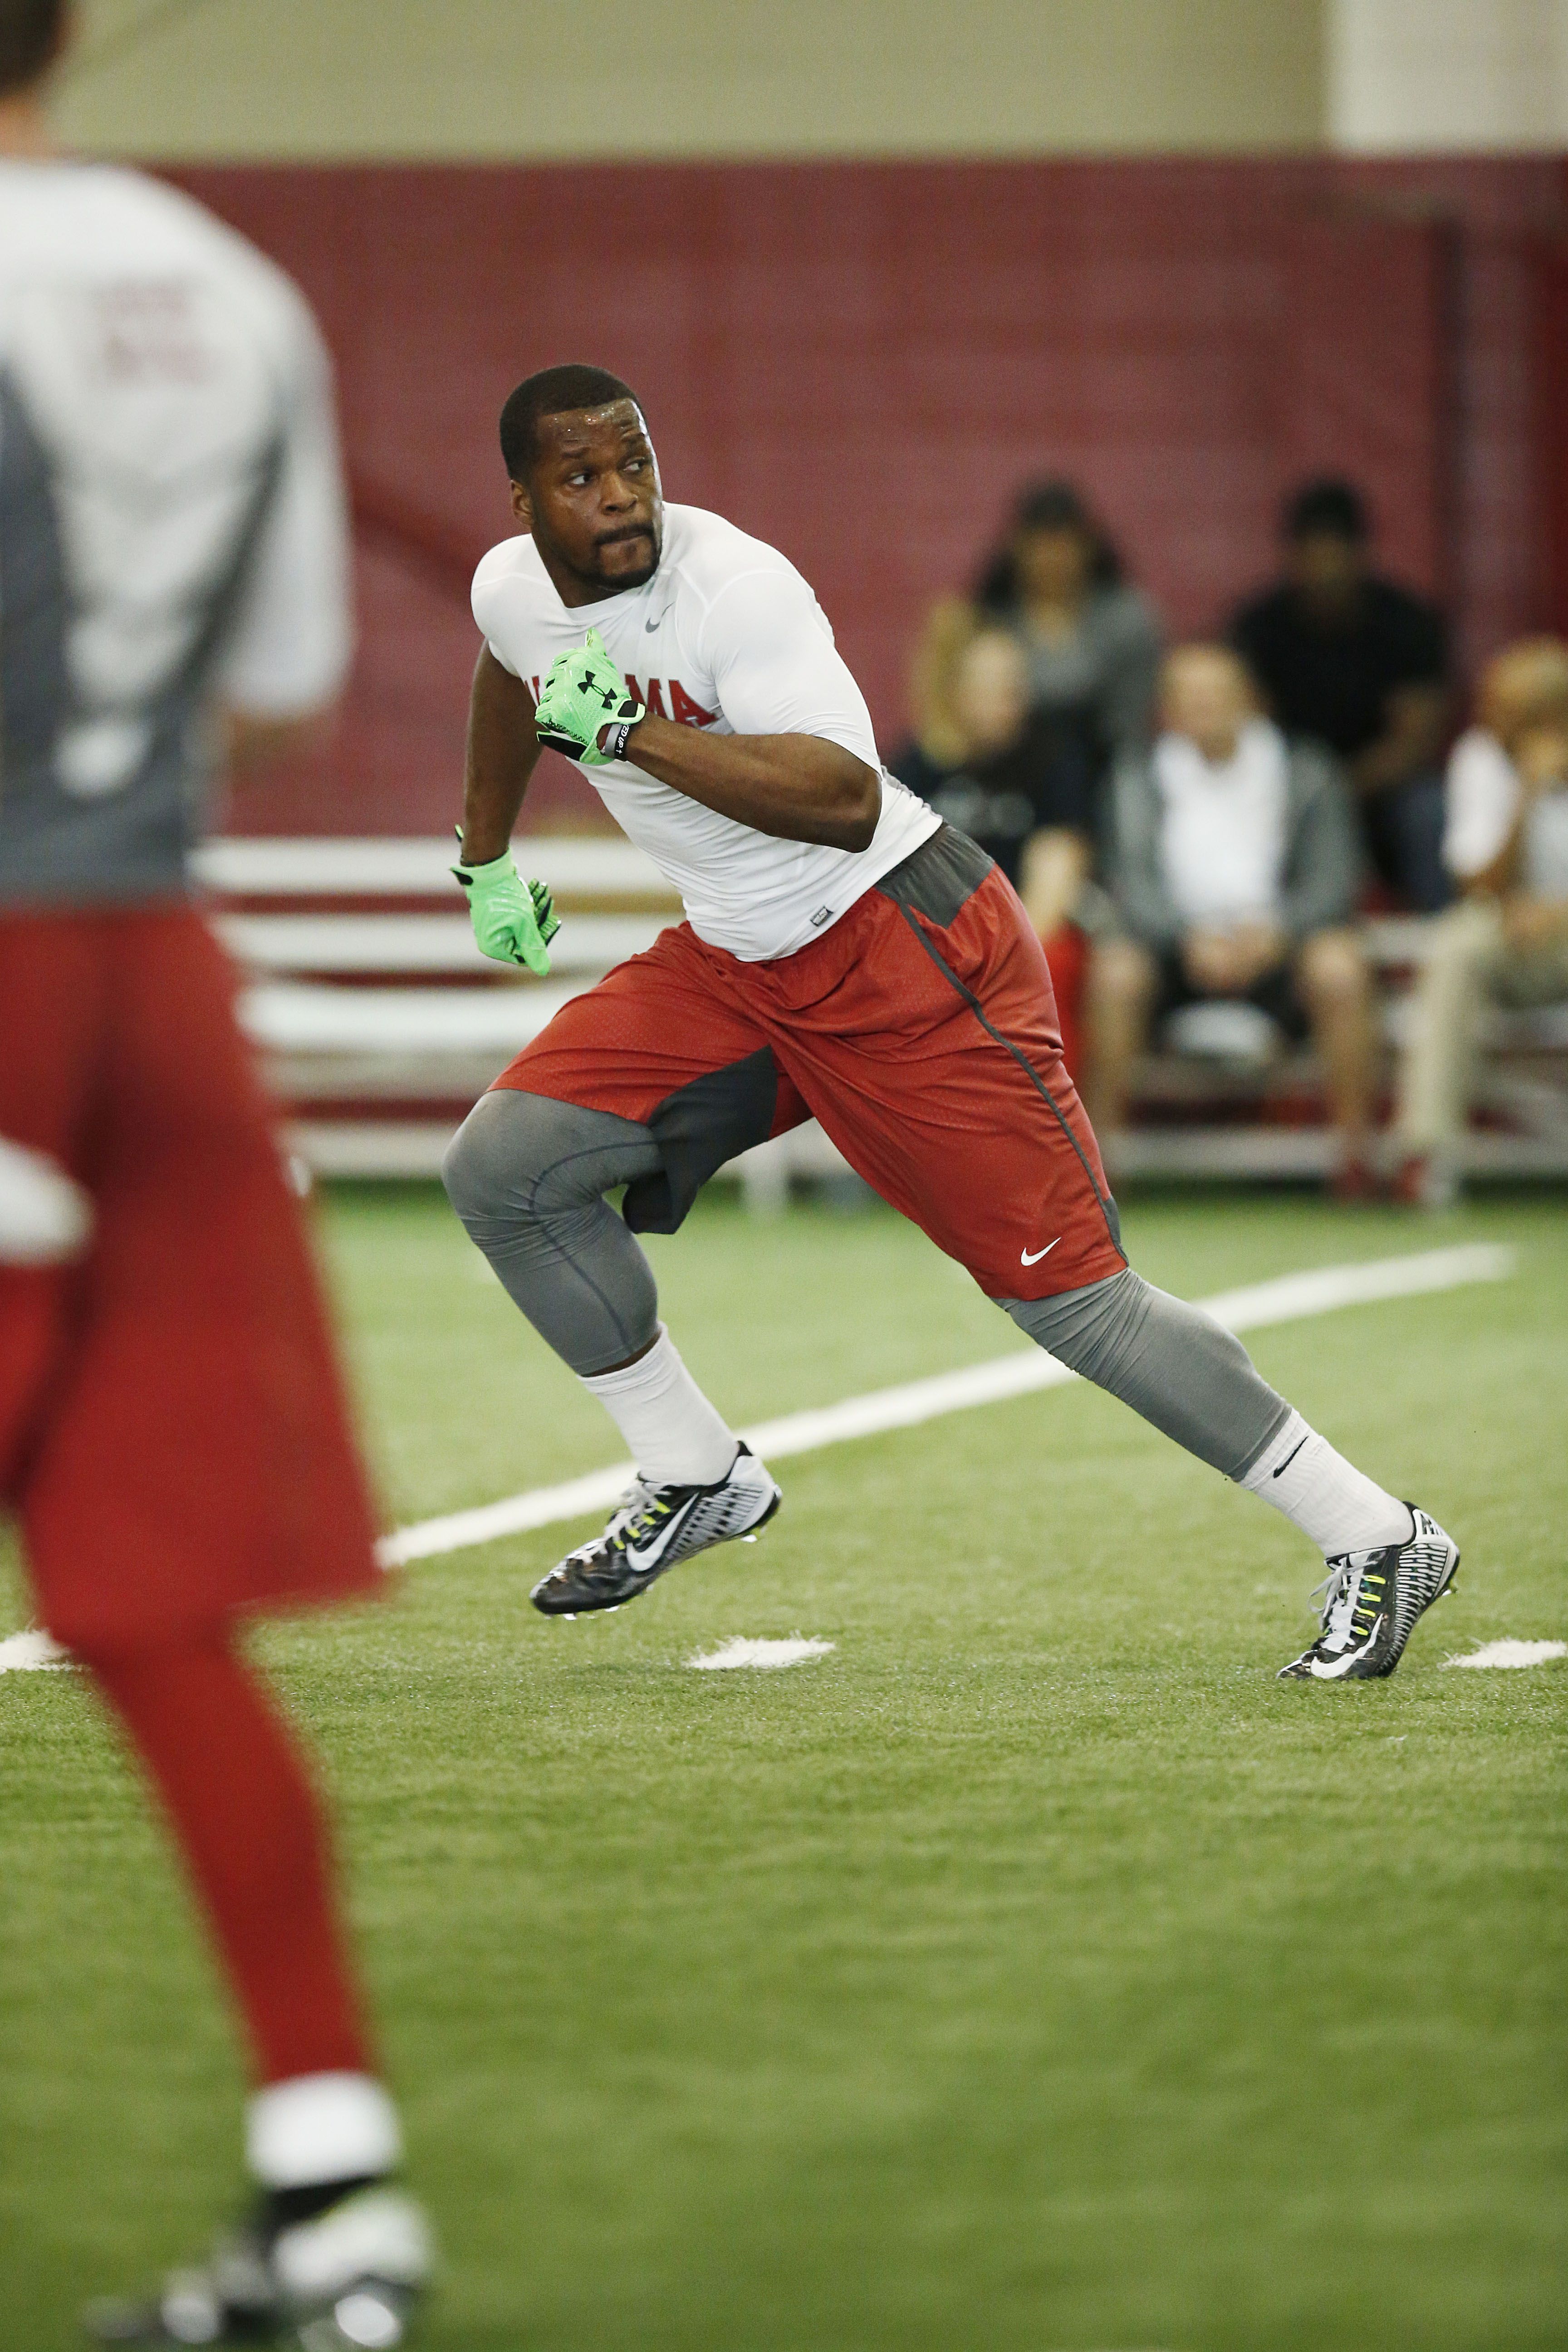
[1371,1602]
[652,1527]
[348,2280]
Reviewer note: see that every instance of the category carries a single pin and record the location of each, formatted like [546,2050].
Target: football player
[172,1434]
[845,955]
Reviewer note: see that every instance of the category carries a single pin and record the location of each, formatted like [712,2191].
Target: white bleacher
[367,867]
[419,943]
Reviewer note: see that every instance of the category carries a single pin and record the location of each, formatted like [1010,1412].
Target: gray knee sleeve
[527,1177]
[1166,1359]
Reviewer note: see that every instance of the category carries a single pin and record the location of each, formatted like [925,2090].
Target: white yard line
[1290,1299]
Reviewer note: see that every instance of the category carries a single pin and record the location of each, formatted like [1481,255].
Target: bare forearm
[796,787]
[503,753]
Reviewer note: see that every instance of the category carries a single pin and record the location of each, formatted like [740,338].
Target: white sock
[672,1432]
[1323,1495]
[317,2127]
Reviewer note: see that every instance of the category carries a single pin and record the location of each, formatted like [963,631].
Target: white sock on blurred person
[1338,1505]
[674,1435]
[320,2127]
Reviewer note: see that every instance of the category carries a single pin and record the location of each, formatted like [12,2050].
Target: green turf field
[1034,1974]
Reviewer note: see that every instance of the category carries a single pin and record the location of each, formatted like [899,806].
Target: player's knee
[480,1176]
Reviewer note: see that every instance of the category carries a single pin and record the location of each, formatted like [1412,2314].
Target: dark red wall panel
[861,362]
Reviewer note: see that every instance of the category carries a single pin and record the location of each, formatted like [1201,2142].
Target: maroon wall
[861,362]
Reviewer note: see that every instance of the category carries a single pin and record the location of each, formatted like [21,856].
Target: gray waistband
[936,879]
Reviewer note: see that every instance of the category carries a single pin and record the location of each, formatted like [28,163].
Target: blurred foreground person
[1506,843]
[846,955]
[172,1436]
[1359,664]
[1235,869]
[984,759]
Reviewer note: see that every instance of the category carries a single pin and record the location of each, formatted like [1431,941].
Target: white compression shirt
[726,636]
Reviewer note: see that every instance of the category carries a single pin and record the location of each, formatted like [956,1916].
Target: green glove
[512,923]
[584,695]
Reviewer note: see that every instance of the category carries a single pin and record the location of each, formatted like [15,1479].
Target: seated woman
[1505,842]
[1235,869]
[986,761]
[1090,639]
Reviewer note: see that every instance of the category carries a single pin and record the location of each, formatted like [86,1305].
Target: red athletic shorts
[921,1030]
[173,1429]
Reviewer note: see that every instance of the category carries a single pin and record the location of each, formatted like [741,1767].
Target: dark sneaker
[348,2278]
[1371,1602]
[650,1529]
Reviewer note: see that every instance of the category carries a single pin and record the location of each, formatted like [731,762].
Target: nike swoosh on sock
[1290,1458]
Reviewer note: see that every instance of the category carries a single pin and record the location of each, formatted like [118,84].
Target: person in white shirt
[1506,843]
[845,954]
[173,1438]
[1234,869]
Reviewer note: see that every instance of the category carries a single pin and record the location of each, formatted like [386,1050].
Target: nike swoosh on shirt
[1033,1257]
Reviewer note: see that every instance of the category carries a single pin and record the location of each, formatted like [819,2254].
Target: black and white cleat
[348,2280]
[1371,1602]
[652,1527]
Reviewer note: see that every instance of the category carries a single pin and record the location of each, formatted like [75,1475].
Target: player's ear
[522,505]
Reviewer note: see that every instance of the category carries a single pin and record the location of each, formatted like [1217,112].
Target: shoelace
[1333,1588]
[630,1516]
[1346,1600]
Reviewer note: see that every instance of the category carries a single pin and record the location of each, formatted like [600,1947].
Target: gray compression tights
[527,1176]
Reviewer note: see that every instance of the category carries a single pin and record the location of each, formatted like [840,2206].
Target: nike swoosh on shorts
[1027,1258]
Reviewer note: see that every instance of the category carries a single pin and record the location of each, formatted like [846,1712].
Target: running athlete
[846,955]
[173,1435]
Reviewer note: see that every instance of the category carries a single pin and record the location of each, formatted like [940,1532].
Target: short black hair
[554,392]
[1325,508]
[30,32]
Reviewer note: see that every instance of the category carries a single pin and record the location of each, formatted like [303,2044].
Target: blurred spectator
[984,757]
[1235,869]
[987,761]
[1506,842]
[1362,666]
[1093,641]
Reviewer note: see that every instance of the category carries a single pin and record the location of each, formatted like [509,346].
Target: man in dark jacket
[1233,865]
[1353,662]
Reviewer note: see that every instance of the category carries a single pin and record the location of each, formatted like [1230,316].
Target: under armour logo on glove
[586,711]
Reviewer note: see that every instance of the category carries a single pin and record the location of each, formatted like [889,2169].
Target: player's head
[1207,694]
[1325,530]
[32,34]
[584,479]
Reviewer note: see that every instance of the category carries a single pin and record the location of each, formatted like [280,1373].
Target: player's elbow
[857,808]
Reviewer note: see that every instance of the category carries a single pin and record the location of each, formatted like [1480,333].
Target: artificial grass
[1034,1972]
